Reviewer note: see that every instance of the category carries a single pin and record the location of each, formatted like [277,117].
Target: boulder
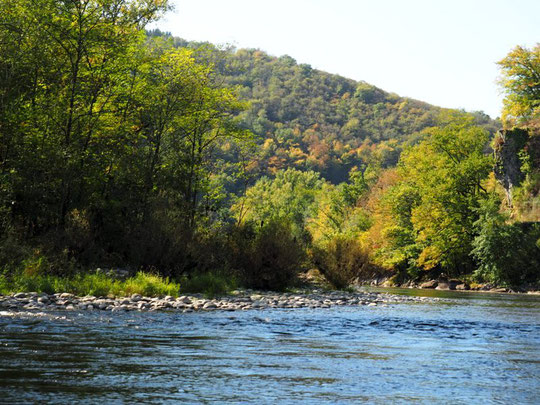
[429,284]
[443,285]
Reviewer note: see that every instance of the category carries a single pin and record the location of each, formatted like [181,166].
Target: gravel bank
[238,301]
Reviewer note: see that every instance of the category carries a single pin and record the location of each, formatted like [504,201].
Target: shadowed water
[467,348]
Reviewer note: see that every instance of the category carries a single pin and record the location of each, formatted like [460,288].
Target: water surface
[467,348]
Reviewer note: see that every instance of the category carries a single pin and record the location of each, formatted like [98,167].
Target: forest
[216,167]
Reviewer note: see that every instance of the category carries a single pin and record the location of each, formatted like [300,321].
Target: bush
[150,284]
[342,260]
[266,257]
[97,284]
[4,285]
[37,283]
[211,284]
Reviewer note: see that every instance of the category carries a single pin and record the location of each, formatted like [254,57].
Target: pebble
[238,301]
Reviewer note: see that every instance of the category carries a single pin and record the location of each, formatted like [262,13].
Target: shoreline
[451,285]
[497,290]
[238,301]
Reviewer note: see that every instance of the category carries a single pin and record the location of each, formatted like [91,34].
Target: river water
[466,348]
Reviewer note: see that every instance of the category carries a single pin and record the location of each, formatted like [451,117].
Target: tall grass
[96,284]
[211,284]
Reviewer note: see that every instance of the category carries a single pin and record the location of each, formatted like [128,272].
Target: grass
[96,284]
[210,284]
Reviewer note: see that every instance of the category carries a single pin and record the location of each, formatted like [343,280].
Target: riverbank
[449,285]
[238,301]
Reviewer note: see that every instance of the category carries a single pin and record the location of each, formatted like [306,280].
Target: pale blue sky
[441,52]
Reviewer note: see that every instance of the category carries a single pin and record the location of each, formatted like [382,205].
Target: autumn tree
[520,81]
[434,205]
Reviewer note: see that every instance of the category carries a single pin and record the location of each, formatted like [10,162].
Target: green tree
[520,81]
[506,252]
[435,205]
[72,59]
[290,196]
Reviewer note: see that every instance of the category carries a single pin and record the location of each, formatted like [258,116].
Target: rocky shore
[449,285]
[239,300]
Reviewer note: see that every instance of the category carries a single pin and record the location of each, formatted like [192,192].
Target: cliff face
[517,164]
[508,145]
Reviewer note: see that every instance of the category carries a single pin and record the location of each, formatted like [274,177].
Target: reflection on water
[468,348]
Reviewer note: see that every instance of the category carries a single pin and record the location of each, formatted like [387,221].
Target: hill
[308,119]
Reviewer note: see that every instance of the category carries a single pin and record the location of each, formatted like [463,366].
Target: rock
[19,295]
[243,300]
[183,299]
[209,305]
[429,284]
[463,287]
[443,284]
[499,290]
[143,305]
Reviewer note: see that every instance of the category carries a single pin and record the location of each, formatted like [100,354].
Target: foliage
[342,260]
[429,214]
[150,285]
[397,247]
[97,284]
[507,253]
[520,81]
[211,284]
[266,256]
[307,119]
[289,196]
[337,212]
[125,148]
[108,140]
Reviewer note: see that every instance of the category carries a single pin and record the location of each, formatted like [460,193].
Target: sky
[440,52]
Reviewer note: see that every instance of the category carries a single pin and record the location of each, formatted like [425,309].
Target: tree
[72,60]
[506,252]
[434,204]
[520,82]
[290,196]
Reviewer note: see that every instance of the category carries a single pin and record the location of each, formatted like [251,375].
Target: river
[466,348]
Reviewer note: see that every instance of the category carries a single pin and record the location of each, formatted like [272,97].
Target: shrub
[96,284]
[210,284]
[267,257]
[150,284]
[342,260]
[37,283]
